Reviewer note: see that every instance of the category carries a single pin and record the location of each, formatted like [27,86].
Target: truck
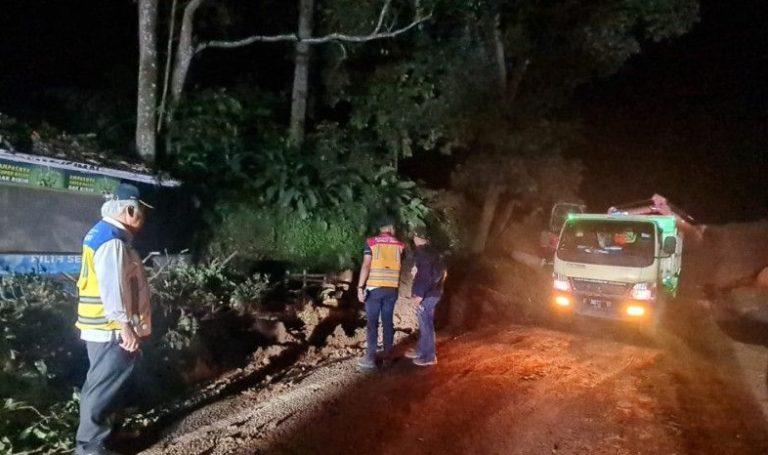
[623,265]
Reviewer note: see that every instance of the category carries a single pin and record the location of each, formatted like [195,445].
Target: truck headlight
[635,310]
[643,291]
[561,283]
[562,301]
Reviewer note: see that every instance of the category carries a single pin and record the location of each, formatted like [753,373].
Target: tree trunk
[301,73]
[503,219]
[185,51]
[517,77]
[147,86]
[167,74]
[486,218]
[501,59]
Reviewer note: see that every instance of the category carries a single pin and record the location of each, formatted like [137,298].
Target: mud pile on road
[296,339]
[728,270]
[729,256]
[492,290]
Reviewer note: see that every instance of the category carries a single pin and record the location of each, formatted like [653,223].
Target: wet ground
[507,389]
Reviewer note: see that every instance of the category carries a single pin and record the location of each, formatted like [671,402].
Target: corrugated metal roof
[56,163]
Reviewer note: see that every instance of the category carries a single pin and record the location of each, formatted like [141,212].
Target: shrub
[39,345]
[25,429]
[262,233]
[40,358]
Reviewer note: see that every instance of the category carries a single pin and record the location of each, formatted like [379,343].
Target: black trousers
[103,393]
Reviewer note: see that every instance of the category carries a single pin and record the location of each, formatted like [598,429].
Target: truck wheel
[565,322]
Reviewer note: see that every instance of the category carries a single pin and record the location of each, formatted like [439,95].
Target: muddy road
[531,390]
[510,380]
[593,389]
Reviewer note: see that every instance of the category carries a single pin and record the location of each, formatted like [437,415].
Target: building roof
[87,168]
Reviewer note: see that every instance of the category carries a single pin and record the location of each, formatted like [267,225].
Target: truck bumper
[606,307]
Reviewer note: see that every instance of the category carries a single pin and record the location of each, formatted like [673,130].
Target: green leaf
[26,433]
[41,367]
[269,194]
[40,433]
[301,209]
[312,198]
[347,192]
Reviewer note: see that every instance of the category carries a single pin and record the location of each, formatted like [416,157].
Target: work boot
[365,363]
[424,363]
[411,353]
[95,450]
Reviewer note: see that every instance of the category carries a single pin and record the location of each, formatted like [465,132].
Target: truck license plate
[599,304]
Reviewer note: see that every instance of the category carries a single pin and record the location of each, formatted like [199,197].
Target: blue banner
[41,264]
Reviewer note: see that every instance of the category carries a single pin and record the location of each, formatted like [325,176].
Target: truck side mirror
[670,245]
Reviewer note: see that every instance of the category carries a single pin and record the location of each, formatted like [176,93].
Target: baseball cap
[128,192]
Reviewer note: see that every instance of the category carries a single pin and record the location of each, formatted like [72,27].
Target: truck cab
[617,266]
[551,236]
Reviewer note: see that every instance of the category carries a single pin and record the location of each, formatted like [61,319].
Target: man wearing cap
[113,314]
[378,288]
[427,290]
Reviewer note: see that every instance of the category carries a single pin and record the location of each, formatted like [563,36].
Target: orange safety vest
[386,251]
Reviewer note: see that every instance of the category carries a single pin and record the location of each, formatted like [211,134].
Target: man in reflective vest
[378,288]
[113,314]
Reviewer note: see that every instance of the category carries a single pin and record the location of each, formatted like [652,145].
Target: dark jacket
[429,275]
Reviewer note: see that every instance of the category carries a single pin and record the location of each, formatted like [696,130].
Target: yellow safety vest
[90,309]
[386,252]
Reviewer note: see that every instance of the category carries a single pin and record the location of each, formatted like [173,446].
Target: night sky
[686,118]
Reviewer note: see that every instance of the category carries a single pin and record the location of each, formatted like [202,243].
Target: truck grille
[600,287]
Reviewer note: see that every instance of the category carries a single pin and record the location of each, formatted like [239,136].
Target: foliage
[108,117]
[247,297]
[207,139]
[302,182]
[421,96]
[38,339]
[23,428]
[527,170]
[529,165]
[13,134]
[327,242]
[418,103]
[41,355]
[312,210]
[205,135]
[187,294]
[447,220]
[390,192]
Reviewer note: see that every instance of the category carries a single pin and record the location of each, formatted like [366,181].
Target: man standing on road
[427,290]
[378,288]
[113,314]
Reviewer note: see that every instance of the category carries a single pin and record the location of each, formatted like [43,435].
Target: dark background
[686,118]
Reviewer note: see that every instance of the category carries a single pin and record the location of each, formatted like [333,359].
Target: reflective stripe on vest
[90,309]
[385,261]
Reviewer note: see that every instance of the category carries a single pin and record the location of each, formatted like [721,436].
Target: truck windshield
[608,242]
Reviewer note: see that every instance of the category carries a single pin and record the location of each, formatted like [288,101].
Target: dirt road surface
[510,389]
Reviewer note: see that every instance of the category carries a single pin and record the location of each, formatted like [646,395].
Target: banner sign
[40,264]
[45,172]
[59,179]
